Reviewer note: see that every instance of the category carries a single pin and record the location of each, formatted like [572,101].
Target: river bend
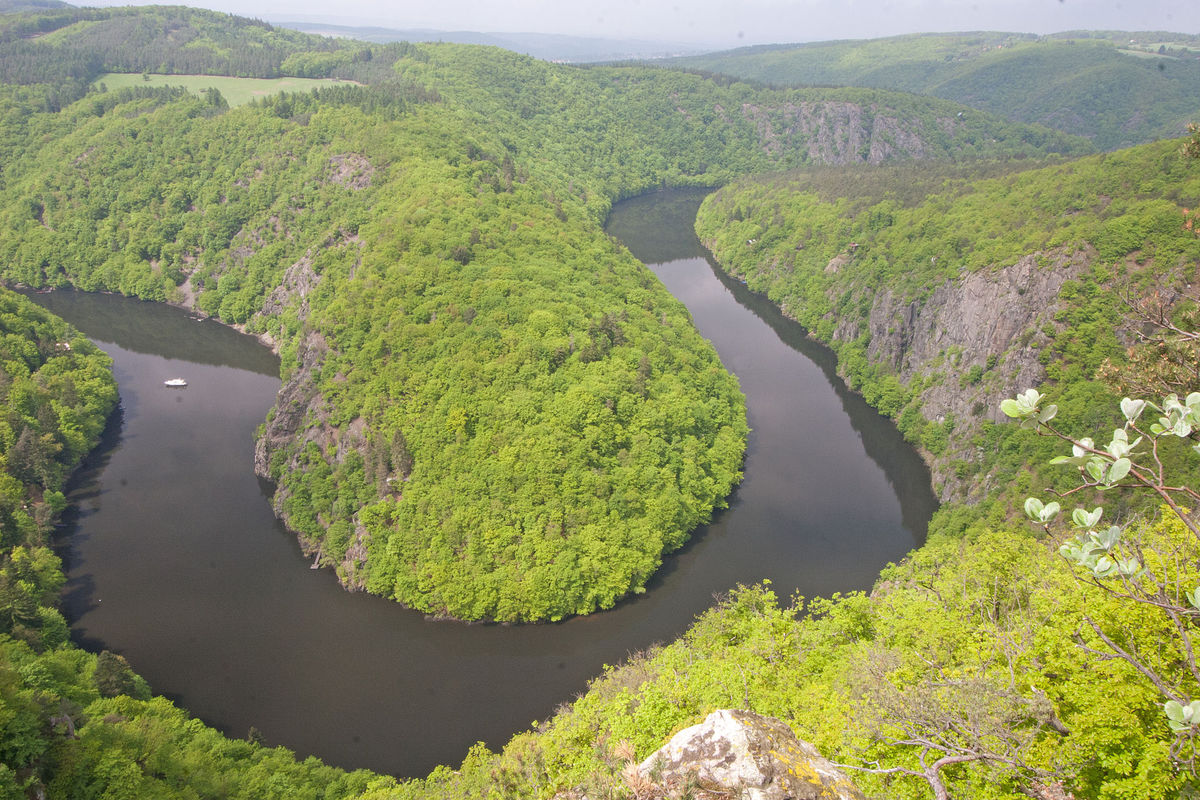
[175,560]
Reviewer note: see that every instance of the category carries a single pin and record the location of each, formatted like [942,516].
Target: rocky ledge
[740,754]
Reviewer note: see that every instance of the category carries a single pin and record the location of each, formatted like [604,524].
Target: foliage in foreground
[971,646]
[1158,579]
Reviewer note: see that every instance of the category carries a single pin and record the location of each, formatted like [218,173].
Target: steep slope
[944,295]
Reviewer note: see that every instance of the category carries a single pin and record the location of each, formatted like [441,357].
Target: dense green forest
[426,253]
[1116,88]
[55,54]
[492,411]
[463,353]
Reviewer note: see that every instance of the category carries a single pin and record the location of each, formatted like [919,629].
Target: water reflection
[649,229]
[156,329]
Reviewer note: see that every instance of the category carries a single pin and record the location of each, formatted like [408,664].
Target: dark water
[175,560]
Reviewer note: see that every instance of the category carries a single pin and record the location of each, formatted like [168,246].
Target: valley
[490,410]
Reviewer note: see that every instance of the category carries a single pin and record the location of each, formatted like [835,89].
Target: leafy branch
[1122,565]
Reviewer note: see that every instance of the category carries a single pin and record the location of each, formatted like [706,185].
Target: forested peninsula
[426,253]
[491,411]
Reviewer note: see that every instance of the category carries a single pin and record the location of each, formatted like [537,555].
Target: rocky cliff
[839,133]
[970,343]
[963,345]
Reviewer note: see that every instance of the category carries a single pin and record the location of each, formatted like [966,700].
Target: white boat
[175,382]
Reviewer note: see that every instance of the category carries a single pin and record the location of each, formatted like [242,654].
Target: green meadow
[237,91]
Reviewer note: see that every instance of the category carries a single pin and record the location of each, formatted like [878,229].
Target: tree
[1159,573]
[114,677]
[1166,357]
[953,719]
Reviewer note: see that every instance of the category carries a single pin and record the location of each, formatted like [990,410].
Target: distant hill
[17,6]
[67,48]
[57,44]
[548,47]
[1117,88]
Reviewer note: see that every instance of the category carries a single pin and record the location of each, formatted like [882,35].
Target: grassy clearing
[237,91]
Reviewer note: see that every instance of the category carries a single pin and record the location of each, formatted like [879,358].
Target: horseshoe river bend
[176,561]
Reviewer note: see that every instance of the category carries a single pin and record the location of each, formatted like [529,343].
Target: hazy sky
[728,22]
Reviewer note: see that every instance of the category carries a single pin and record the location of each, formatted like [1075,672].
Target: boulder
[740,754]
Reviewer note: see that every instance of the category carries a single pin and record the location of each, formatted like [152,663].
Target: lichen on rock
[736,753]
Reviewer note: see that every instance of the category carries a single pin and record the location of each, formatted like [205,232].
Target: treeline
[388,100]
[1084,83]
[57,393]
[170,39]
[61,51]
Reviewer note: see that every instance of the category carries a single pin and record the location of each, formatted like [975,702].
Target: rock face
[296,398]
[983,315]
[972,342]
[740,754]
[833,132]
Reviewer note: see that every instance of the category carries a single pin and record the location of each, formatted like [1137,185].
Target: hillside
[58,52]
[1116,88]
[1013,281]
[547,46]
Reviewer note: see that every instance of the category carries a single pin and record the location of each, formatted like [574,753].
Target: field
[237,91]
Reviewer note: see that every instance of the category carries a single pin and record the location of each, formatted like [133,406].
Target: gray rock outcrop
[740,754]
[970,343]
[833,132]
[983,315]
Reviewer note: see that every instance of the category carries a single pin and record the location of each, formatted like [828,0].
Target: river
[175,560]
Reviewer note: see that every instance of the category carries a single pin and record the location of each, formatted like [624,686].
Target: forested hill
[455,327]
[1010,281]
[1116,88]
[64,49]
[621,130]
